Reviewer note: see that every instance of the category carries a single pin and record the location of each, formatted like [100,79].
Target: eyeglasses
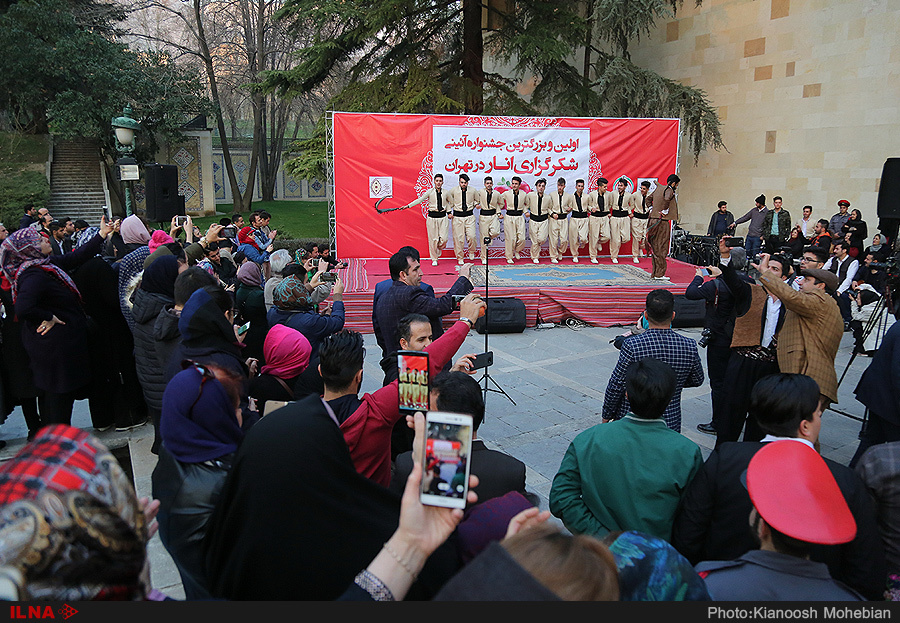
[205,375]
[808,259]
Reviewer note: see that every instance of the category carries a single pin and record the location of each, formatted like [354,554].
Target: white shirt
[773,306]
[852,267]
[805,226]
[769,438]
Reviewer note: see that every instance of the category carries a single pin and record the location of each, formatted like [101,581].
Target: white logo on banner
[380,187]
[501,153]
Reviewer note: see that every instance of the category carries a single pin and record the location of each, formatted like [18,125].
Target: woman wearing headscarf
[156,291]
[878,249]
[287,353]
[201,430]
[249,299]
[129,268]
[80,531]
[54,324]
[248,245]
[115,396]
[327,520]
[855,231]
[132,234]
[650,569]
[208,334]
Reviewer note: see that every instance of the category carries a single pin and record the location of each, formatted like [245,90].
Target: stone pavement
[556,376]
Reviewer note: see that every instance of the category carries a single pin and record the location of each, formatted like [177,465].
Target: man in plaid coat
[662,343]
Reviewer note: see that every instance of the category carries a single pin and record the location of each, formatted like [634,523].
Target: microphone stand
[487,375]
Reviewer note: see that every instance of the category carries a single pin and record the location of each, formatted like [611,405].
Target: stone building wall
[808,92]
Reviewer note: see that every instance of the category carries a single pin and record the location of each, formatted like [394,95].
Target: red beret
[844,202]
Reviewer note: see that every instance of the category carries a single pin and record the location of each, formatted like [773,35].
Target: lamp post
[125,127]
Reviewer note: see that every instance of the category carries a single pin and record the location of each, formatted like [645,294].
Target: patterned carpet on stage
[556,275]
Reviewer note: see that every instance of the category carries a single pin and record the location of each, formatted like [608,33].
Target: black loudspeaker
[689,313]
[163,200]
[502,315]
[889,190]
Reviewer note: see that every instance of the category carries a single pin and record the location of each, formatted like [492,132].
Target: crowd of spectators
[277,479]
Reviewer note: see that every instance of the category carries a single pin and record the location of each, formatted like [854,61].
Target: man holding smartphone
[367,422]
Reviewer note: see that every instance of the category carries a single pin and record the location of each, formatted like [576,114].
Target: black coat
[498,473]
[712,522]
[720,308]
[402,299]
[60,358]
[878,387]
[145,311]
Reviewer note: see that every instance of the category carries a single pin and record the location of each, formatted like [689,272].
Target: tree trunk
[473,56]
[239,204]
[586,67]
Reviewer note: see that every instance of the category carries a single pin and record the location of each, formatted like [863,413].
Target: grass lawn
[292,219]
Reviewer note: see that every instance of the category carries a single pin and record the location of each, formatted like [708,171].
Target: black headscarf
[159,277]
[206,335]
[297,522]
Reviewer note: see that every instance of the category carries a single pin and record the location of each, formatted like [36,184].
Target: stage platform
[602,295]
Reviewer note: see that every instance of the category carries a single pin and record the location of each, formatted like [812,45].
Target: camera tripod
[877,323]
[487,375]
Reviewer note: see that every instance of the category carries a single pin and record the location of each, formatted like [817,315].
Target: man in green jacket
[628,474]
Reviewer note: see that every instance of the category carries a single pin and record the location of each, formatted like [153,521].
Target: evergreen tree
[468,56]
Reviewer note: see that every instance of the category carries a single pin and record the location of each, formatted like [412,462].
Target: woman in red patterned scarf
[71,525]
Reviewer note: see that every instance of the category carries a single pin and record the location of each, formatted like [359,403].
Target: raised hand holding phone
[447,459]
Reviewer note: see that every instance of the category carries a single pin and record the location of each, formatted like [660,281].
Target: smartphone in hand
[447,459]
[412,368]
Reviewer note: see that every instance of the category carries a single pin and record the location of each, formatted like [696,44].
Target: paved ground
[557,378]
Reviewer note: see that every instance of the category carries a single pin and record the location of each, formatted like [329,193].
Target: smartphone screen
[244,328]
[413,386]
[445,467]
[704,272]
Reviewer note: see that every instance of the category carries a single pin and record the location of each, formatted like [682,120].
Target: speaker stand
[487,375]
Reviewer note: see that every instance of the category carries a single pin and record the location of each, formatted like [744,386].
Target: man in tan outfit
[579,233]
[813,327]
[620,219]
[663,211]
[437,223]
[462,202]
[639,218]
[489,215]
[598,223]
[560,206]
[515,202]
[538,214]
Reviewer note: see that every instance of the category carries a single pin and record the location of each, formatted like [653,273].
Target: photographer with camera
[717,329]
[758,322]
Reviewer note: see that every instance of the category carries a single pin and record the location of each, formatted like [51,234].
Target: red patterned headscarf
[70,521]
[22,250]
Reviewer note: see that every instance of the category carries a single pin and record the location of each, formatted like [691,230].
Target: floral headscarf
[22,250]
[291,295]
[70,521]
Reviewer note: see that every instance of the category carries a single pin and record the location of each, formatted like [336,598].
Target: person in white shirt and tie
[515,202]
[579,230]
[560,206]
[538,214]
[489,216]
[462,202]
[639,217]
[620,218]
[437,224]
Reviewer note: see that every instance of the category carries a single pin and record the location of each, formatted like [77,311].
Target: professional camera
[704,337]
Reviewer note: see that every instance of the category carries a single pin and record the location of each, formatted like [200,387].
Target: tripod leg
[487,377]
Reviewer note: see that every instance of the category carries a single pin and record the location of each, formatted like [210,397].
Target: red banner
[389,160]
